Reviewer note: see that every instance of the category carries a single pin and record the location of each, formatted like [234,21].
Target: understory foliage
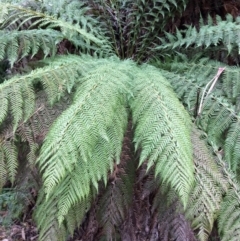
[123,117]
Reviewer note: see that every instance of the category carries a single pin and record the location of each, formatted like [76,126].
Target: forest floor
[24,231]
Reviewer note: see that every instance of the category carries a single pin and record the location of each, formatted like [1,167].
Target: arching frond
[15,45]
[224,32]
[18,99]
[94,145]
[135,26]
[48,224]
[162,130]
[90,139]
[9,163]
[17,95]
[15,17]
[216,114]
[232,147]
[205,198]
[202,71]
[229,217]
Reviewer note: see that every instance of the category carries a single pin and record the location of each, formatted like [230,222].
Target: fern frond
[48,224]
[162,130]
[90,137]
[9,161]
[205,198]
[232,148]
[15,45]
[3,169]
[217,114]
[229,219]
[224,32]
[17,16]
[134,26]
[203,70]
[229,216]
[19,99]
[36,128]
[176,227]
[218,118]
[17,93]
[31,133]
[68,195]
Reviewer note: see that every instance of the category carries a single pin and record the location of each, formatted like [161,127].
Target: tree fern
[69,123]
[96,142]
[134,26]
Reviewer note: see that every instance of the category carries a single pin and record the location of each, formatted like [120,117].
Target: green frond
[15,45]
[218,118]
[18,16]
[215,119]
[205,198]
[9,161]
[31,133]
[77,213]
[216,115]
[18,95]
[72,193]
[229,216]
[138,23]
[229,219]
[3,169]
[71,11]
[202,71]
[36,128]
[224,32]
[162,131]
[19,101]
[48,224]
[90,139]
[232,148]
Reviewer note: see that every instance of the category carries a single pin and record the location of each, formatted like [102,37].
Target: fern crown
[107,108]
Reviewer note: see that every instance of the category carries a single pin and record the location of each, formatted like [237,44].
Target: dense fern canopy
[123,118]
